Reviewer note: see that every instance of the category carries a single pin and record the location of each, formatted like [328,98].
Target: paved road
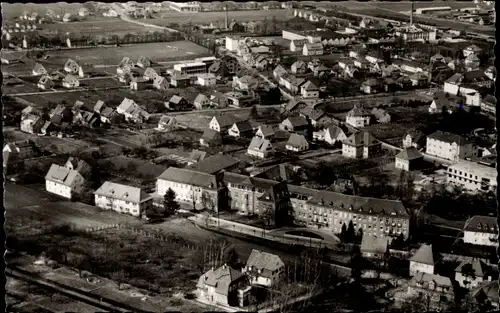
[124,17]
[62,91]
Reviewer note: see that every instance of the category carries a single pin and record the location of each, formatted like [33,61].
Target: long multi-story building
[191,68]
[472,176]
[481,230]
[186,7]
[325,209]
[448,146]
[122,198]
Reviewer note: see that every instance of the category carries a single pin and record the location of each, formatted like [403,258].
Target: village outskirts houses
[150,74]
[241,129]
[45,83]
[297,143]
[424,260]
[472,274]
[132,111]
[260,147]
[374,247]
[71,67]
[408,159]
[32,124]
[265,131]
[294,124]
[358,117]
[436,289]
[66,181]
[222,123]
[309,90]
[481,231]
[264,269]
[472,176]
[414,138]
[39,69]
[210,138]
[201,102]
[206,80]
[310,49]
[160,83]
[123,198]
[177,103]
[331,135]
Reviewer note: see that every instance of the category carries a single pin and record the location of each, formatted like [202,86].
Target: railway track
[86,297]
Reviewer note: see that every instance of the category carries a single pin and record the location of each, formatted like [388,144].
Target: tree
[356,262]
[343,232]
[120,277]
[253,112]
[169,203]
[350,234]
[131,167]
[359,235]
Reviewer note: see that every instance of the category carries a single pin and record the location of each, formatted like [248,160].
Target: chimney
[411,14]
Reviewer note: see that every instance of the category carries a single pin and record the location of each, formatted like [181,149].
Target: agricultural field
[167,18]
[404,5]
[157,52]
[13,10]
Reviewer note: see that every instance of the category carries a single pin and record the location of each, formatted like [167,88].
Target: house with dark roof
[216,164]
[448,146]
[442,104]
[265,131]
[211,138]
[361,145]
[260,147]
[264,269]
[45,83]
[297,143]
[408,159]
[180,80]
[334,134]
[70,81]
[370,86]
[471,274]
[309,90]
[241,129]
[32,124]
[414,138]
[123,199]
[80,166]
[294,124]
[489,104]
[201,102]
[199,189]
[437,290]
[424,260]
[222,123]
[279,71]
[218,100]
[177,103]
[481,230]
[39,69]
[222,286]
[61,114]
[160,83]
[486,295]
[196,156]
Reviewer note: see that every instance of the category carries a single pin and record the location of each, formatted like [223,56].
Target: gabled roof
[280,70]
[425,279]
[211,135]
[266,262]
[490,99]
[478,267]
[415,134]
[374,244]
[363,138]
[313,46]
[334,131]
[70,78]
[61,175]
[425,255]
[221,279]
[99,106]
[296,140]
[243,126]
[358,111]
[122,192]
[79,165]
[309,86]
[197,155]
[266,130]
[474,48]
[410,153]
[176,99]
[167,120]
[298,121]
[200,98]
[488,290]
[226,120]
[215,164]
[482,224]
[127,105]
[448,137]
[259,144]
[39,68]
[189,176]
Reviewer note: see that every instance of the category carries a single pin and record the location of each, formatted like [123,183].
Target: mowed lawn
[166,18]
[158,52]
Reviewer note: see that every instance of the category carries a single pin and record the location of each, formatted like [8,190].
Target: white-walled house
[264,268]
[297,143]
[222,123]
[309,90]
[408,158]
[471,274]
[334,134]
[358,117]
[423,260]
[472,176]
[64,181]
[123,199]
[481,230]
[448,146]
[260,147]
[206,79]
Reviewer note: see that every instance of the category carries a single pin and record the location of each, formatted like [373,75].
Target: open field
[405,5]
[158,52]
[13,10]
[167,18]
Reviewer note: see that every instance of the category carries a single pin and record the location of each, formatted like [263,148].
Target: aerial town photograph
[293,156]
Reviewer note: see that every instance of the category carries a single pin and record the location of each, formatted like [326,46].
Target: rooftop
[122,192]
[482,224]
[215,164]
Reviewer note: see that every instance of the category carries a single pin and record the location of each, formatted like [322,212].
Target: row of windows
[451,170]
[465,179]
[104,197]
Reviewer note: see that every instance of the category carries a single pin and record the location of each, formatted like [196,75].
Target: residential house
[23,149]
[279,71]
[448,146]
[265,131]
[177,103]
[297,45]
[370,86]
[226,66]
[196,156]
[123,199]
[374,57]
[71,67]
[294,124]
[160,83]
[461,83]
[39,69]
[317,117]
[441,104]
[293,106]
[408,159]
[107,114]
[99,106]
[206,79]
[244,83]
[222,286]
[202,190]
[437,58]
[404,82]
[297,143]
[361,145]
[358,117]
[61,113]
[374,247]
[424,260]
[67,18]
[144,62]
[472,274]
[150,74]
[489,104]
[64,181]
[262,62]
[236,27]
[211,138]
[80,166]
[309,90]
[264,269]
[472,176]
[299,67]
[241,129]
[216,163]
[167,123]
[132,111]
[260,147]
[491,73]
[70,81]
[381,115]
[201,102]
[30,111]
[222,123]
[122,70]
[312,49]
[419,80]
[473,49]
[32,124]
[179,80]
[438,290]
[45,83]
[472,62]
[218,100]
[334,134]
[481,231]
